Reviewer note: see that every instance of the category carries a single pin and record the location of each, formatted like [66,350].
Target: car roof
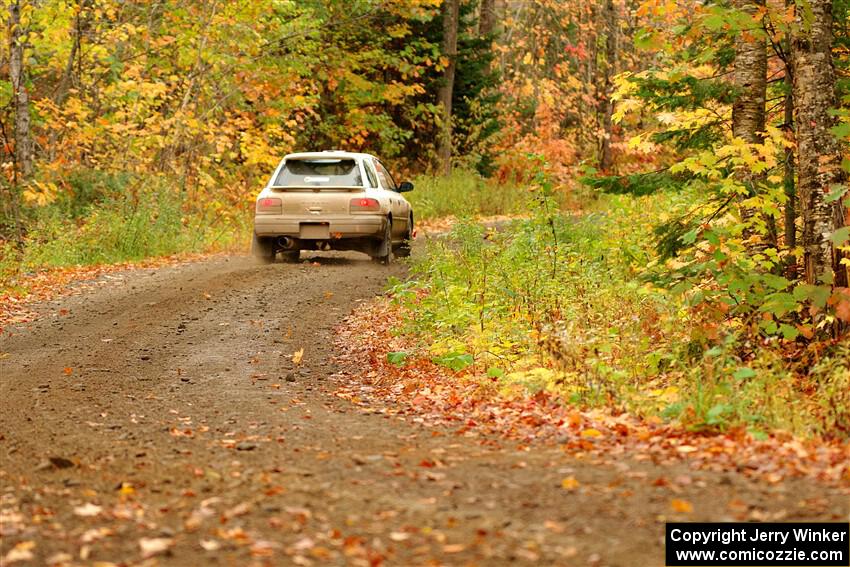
[332,154]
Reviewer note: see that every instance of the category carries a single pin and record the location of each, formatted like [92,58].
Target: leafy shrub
[573,305]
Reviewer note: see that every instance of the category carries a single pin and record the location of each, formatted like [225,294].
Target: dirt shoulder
[161,418]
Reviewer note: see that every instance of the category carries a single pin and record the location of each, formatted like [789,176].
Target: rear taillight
[269,206]
[364,205]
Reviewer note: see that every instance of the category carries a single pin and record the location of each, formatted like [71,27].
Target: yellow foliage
[40,193]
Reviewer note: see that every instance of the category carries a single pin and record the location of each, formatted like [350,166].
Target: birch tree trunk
[451,10]
[17,75]
[818,152]
[748,111]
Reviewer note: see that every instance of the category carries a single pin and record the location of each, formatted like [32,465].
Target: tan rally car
[332,200]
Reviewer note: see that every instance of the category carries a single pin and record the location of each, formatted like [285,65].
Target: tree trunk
[748,112]
[487,18]
[612,23]
[17,75]
[818,152]
[788,179]
[451,10]
[589,111]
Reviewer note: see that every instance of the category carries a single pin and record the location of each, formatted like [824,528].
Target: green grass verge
[107,219]
[563,304]
[465,193]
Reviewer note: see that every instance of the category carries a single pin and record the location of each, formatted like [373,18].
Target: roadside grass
[105,220]
[465,194]
[563,304]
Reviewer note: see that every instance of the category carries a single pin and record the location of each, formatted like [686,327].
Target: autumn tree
[819,154]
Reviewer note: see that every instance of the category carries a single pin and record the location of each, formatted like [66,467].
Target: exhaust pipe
[286,242]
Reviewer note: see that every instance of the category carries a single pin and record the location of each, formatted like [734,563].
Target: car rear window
[319,172]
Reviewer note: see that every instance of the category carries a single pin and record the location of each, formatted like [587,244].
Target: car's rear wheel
[403,249]
[263,249]
[384,247]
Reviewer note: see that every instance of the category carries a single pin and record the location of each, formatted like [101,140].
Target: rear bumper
[339,226]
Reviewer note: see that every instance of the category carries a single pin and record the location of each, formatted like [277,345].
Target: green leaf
[455,361]
[769,327]
[776,282]
[788,332]
[840,236]
[841,130]
[837,191]
[715,21]
[714,351]
[744,373]
[817,294]
[758,434]
[779,304]
[690,236]
[397,358]
[714,416]
[645,39]
[494,372]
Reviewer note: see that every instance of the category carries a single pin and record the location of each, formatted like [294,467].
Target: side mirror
[405,186]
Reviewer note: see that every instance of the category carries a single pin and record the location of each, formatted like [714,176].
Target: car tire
[291,257]
[384,247]
[403,249]
[263,249]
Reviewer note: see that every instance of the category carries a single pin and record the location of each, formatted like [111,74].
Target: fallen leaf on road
[554,527]
[95,534]
[87,510]
[61,558]
[60,462]
[303,544]
[570,483]
[21,552]
[299,354]
[238,510]
[151,546]
[682,506]
[210,545]
[453,548]
[591,433]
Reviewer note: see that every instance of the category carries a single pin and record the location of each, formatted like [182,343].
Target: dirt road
[161,415]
